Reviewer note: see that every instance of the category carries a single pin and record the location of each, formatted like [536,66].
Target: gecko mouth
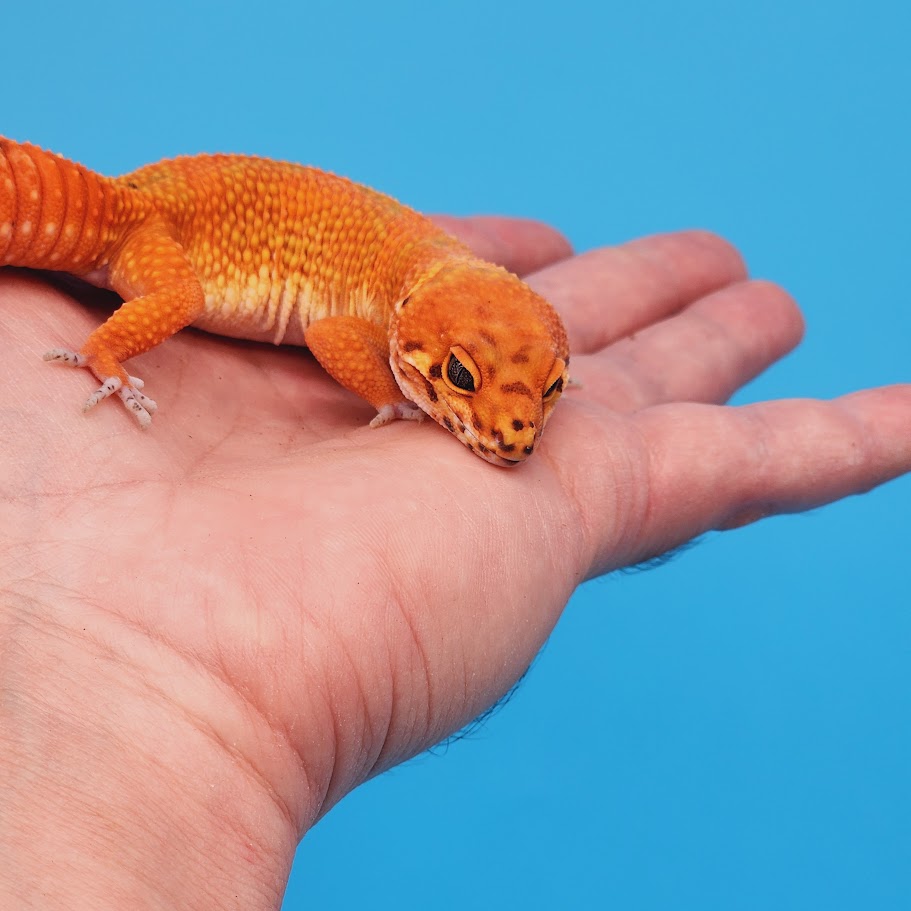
[488,453]
[494,459]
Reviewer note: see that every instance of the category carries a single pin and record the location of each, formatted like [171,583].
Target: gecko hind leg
[161,295]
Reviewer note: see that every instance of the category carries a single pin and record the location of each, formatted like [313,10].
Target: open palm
[260,602]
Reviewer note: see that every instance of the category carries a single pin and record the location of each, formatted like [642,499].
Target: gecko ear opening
[461,374]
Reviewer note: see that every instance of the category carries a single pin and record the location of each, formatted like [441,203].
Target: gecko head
[484,355]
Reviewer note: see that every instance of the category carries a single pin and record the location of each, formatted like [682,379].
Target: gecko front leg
[355,353]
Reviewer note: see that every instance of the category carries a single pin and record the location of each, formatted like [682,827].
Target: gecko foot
[137,403]
[405,411]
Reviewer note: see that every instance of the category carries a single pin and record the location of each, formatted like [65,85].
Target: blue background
[728,731]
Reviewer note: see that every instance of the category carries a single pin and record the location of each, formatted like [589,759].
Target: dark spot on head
[520,357]
[448,425]
[476,422]
[487,337]
[519,388]
[518,425]
[132,185]
[431,392]
[436,371]
[507,447]
[413,346]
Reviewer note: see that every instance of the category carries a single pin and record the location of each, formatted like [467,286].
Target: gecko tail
[52,210]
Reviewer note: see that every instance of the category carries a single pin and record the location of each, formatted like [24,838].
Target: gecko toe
[402,411]
[139,405]
[136,385]
[65,356]
[136,402]
[111,385]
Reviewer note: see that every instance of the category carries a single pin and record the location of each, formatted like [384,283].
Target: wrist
[113,790]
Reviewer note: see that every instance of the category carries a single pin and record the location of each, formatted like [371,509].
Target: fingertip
[781,311]
[717,257]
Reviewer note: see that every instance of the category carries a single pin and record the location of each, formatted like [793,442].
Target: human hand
[215,630]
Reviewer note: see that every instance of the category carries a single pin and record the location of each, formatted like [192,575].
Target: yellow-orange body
[395,309]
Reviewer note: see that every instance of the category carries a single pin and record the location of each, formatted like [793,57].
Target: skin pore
[213,631]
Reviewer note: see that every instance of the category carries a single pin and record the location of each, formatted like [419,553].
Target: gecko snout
[518,442]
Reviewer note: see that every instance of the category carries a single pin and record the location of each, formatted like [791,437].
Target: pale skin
[213,631]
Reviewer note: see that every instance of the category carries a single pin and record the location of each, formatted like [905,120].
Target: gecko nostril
[529,450]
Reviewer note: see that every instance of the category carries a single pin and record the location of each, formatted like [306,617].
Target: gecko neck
[425,263]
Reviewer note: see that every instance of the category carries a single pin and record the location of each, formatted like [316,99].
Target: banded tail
[54,213]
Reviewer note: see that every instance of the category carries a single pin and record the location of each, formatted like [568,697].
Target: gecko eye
[461,371]
[556,379]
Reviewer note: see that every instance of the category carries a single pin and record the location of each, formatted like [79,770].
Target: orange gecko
[397,311]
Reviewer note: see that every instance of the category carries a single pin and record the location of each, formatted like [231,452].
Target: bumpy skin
[393,308]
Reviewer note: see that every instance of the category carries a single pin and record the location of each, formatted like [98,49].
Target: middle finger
[703,354]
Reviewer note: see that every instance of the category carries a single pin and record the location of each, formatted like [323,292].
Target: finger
[779,457]
[704,354]
[519,244]
[709,467]
[606,294]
